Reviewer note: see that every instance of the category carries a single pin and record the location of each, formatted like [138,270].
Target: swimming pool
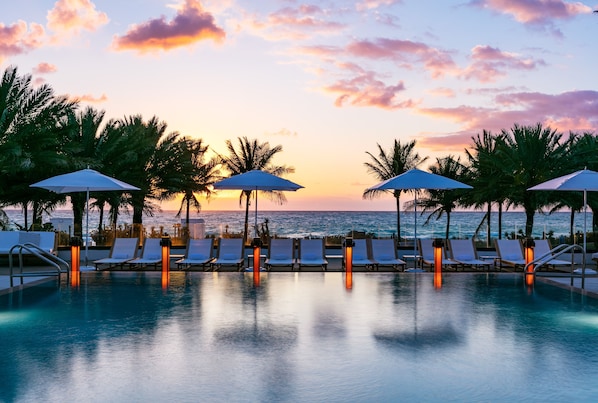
[298,337]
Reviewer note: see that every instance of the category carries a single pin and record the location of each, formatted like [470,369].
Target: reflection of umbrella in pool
[256,180]
[438,336]
[84,180]
[582,181]
[256,334]
[416,179]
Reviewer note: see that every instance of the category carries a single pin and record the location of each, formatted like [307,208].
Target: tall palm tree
[388,164]
[197,176]
[81,146]
[440,202]
[250,155]
[30,147]
[487,178]
[530,155]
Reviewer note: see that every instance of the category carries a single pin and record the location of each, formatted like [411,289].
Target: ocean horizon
[298,224]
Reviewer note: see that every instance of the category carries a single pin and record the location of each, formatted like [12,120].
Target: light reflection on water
[298,337]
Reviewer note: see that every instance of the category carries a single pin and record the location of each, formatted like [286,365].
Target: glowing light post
[438,245]
[349,263]
[528,247]
[257,245]
[75,261]
[165,243]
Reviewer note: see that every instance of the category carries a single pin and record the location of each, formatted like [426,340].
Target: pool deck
[562,280]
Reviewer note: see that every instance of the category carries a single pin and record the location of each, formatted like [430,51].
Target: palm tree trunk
[448,224]
[572,226]
[25,215]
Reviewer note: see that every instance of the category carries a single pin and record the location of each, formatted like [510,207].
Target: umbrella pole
[415,234]
[255,227]
[86,225]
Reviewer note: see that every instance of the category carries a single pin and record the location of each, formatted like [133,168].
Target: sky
[326,80]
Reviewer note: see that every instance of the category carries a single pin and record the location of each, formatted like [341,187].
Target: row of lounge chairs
[368,253]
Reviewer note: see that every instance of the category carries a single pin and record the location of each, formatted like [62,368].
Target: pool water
[215,337]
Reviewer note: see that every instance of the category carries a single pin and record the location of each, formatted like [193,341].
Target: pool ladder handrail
[40,253]
[554,253]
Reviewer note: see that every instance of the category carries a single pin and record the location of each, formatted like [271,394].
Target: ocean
[298,224]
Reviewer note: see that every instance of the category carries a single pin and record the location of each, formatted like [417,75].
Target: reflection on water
[297,337]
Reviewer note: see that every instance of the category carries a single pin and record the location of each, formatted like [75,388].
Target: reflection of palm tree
[386,165]
[249,156]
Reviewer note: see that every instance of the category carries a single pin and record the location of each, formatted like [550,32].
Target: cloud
[44,68]
[524,108]
[190,25]
[294,23]
[283,132]
[436,61]
[363,88]
[442,92]
[491,63]
[72,16]
[89,98]
[18,39]
[536,13]
[374,4]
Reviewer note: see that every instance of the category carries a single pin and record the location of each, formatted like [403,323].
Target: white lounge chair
[312,253]
[281,252]
[122,251]
[151,254]
[384,253]
[542,249]
[426,251]
[361,254]
[200,252]
[509,252]
[464,252]
[230,253]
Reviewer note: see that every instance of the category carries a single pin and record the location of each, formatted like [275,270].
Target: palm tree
[30,146]
[440,202]
[251,155]
[399,159]
[487,178]
[530,155]
[81,146]
[197,174]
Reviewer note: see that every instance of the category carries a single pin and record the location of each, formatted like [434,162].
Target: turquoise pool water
[214,337]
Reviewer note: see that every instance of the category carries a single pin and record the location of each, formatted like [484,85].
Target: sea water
[298,224]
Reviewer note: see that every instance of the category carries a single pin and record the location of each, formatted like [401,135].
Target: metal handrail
[40,253]
[554,253]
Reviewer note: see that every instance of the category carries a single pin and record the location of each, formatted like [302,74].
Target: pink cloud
[524,108]
[70,16]
[297,23]
[538,13]
[436,61]
[90,98]
[364,89]
[191,24]
[44,68]
[491,63]
[373,4]
[443,92]
[18,38]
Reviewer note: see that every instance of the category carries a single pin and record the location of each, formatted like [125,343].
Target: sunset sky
[327,80]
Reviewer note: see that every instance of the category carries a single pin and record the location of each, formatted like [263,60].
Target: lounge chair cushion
[464,257]
[511,257]
[197,256]
[280,257]
[230,256]
[385,257]
[153,257]
[358,257]
[120,256]
[310,256]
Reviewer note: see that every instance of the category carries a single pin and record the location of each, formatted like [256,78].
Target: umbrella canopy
[416,179]
[256,180]
[582,181]
[84,180]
